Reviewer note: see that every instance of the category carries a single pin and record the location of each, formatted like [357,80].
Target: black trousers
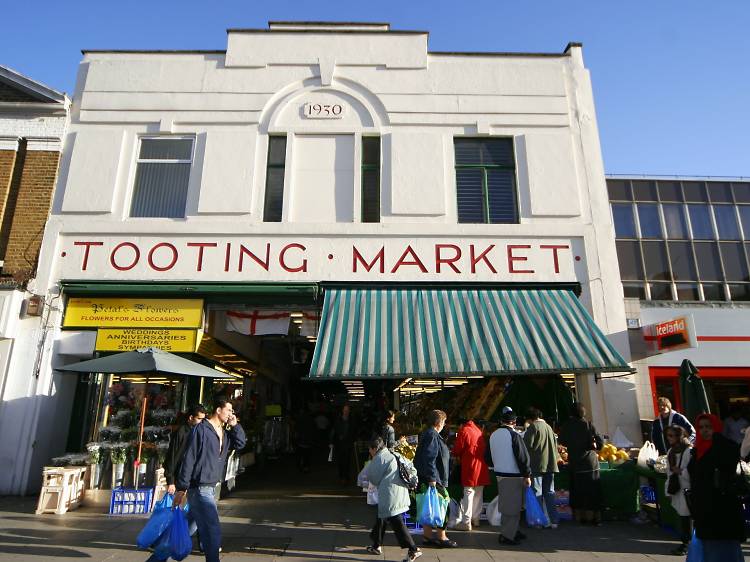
[344,453]
[399,529]
[686,530]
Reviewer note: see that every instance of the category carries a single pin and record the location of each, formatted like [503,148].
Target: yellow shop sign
[128,339]
[85,312]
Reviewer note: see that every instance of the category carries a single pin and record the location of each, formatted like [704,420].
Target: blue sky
[671,78]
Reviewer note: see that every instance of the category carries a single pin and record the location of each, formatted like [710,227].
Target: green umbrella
[693,391]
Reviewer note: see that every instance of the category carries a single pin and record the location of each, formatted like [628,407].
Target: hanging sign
[92,312]
[672,335]
[128,339]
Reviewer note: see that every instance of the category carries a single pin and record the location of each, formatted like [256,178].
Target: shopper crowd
[703,483]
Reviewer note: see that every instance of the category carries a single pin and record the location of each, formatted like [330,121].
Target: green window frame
[273,205]
[370,188]
[486,189]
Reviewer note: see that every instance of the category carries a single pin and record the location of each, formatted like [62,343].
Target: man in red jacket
[470,448]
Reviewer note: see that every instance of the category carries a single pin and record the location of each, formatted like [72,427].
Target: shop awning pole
[137,462]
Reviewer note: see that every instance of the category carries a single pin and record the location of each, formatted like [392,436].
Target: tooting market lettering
[324,258]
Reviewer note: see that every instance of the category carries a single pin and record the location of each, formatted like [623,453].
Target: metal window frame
[139,161]
[484,168]
[639,239]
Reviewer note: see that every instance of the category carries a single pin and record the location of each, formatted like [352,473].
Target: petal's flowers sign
[105,312]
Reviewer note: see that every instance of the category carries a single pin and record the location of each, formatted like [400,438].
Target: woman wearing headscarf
[678,457]
[714,502]
[580,437]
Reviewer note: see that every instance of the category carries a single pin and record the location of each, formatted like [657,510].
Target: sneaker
[509,542]
[520,536]
[375,550]
[413,555]
[551,526]
[475,523]
[463,526]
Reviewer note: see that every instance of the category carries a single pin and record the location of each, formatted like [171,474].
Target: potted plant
[95,469]
[119,454]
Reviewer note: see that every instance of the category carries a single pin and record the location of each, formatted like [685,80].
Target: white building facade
[309,153]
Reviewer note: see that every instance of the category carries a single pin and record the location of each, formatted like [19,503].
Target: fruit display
[613,455]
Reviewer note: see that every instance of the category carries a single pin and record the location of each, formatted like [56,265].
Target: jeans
[544,488]
[203,507]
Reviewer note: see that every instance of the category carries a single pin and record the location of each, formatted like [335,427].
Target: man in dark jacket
[667,417]
[203,467]
[178,442]
[509,460]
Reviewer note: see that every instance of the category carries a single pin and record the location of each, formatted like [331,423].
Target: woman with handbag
[383,471]
[714,492]
[678,481]
[580,437]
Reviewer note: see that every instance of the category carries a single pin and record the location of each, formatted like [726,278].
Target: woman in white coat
[393,499]
[678,457]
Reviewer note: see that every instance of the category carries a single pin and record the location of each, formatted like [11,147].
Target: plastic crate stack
[129,501]
[648,494]
[413,525]
[562,503]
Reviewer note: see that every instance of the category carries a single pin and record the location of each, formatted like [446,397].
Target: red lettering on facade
[357,257]
[264,264]
[439,260]
[136,256]
[227,255]
[415,261]
[554,249]
[282,261]
[167,267]
[513,258]
[474,259]
[201,246]
[87,246]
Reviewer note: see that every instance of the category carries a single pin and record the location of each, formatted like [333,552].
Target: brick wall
[29,201]
[7,161]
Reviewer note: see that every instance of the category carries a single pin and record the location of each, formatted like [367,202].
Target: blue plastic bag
[695,550]
[180,543]
[431,508]
[535,516]
[157,523]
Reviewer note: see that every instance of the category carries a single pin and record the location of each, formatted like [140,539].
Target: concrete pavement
[265,520]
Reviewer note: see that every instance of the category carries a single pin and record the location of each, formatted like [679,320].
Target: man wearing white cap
[510,463]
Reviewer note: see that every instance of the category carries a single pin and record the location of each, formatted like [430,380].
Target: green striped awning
[394,333]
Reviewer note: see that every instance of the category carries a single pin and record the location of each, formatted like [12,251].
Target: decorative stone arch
[364,113]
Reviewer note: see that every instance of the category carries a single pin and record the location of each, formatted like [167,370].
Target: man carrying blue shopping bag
[202,468]
[509,459]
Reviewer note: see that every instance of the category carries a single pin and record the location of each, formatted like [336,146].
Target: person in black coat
[714,501]
[580,437]
[432,461]
[343,435]
[178,442]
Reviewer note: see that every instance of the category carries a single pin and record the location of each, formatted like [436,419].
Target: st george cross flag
[258,322]
[310,324]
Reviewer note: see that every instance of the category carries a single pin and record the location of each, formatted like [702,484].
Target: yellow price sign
[128,339]
[92,312]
